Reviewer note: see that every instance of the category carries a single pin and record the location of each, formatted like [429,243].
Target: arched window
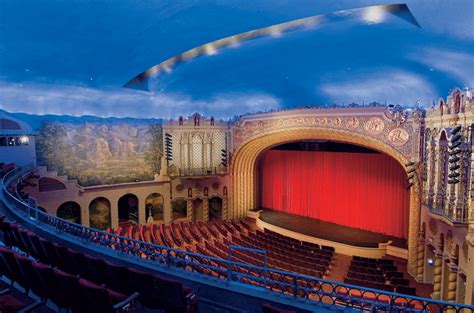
[99,213]
[128,208]
[70,211]
[154,206]
[197,153]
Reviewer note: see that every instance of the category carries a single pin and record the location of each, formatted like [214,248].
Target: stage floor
[329,231]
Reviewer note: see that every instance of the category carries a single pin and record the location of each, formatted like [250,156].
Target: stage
[346,240]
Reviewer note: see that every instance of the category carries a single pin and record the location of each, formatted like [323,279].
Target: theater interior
[175,185]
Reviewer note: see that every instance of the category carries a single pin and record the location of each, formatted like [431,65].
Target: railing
[300,288]
[452,216]
[200,171]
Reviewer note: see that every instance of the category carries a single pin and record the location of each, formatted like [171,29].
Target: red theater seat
[145,284]
[175,296]
[10,304]
[97,299]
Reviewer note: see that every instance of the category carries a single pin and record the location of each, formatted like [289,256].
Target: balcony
[197,173]
[451,217]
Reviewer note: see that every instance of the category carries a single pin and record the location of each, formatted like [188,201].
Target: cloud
[393,86]
[457,64]
[75,100]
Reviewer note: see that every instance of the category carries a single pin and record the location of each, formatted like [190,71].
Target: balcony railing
[214,171]
[279,285]
[452,216]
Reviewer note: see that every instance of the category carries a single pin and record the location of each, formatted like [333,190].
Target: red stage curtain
[360,190]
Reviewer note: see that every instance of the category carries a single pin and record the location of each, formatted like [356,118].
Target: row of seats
[307,245]
[154,291]
[64,289]
[302,266]
[379,274]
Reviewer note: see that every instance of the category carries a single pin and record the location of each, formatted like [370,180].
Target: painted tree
[53,150]
[155,152]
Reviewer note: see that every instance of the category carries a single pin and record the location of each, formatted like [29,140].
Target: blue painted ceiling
[73,57]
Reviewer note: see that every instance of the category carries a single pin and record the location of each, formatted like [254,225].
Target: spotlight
[454,160]
[456,130]
[224,157]
[454,145]
[455,141]
[454,167]
[455,152]
[168,147]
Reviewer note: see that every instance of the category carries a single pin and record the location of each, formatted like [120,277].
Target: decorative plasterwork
[398,130]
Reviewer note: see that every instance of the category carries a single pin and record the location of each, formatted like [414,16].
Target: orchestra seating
[377,274]
[214,238]
[52,271]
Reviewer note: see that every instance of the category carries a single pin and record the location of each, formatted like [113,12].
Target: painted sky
[73,57]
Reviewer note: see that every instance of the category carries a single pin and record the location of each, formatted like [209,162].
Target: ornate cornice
[400,133]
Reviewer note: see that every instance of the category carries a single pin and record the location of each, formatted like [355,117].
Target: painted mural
[101,152]
[99,213]
[154,206]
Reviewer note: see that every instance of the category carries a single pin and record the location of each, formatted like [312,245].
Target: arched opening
[128,208]
[99,213]
[154,206]
[245,180]
[70,211]
[442,173]
[336,183]
[198,209]
[179,209]
[215,208]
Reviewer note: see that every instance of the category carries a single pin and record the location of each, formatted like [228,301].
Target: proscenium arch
[244,178]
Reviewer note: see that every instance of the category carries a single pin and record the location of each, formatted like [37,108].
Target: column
[420,258]
[439,185]
[438,274]
[225,204]
[114,218]
[205,209]
[167,210]
[85,213]
[189,209]
[431,174]
[461,207]
[452,283]
[141,212]
[470,240]
[413,230]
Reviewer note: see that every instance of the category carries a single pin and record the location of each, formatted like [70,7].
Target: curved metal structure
[370,14]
